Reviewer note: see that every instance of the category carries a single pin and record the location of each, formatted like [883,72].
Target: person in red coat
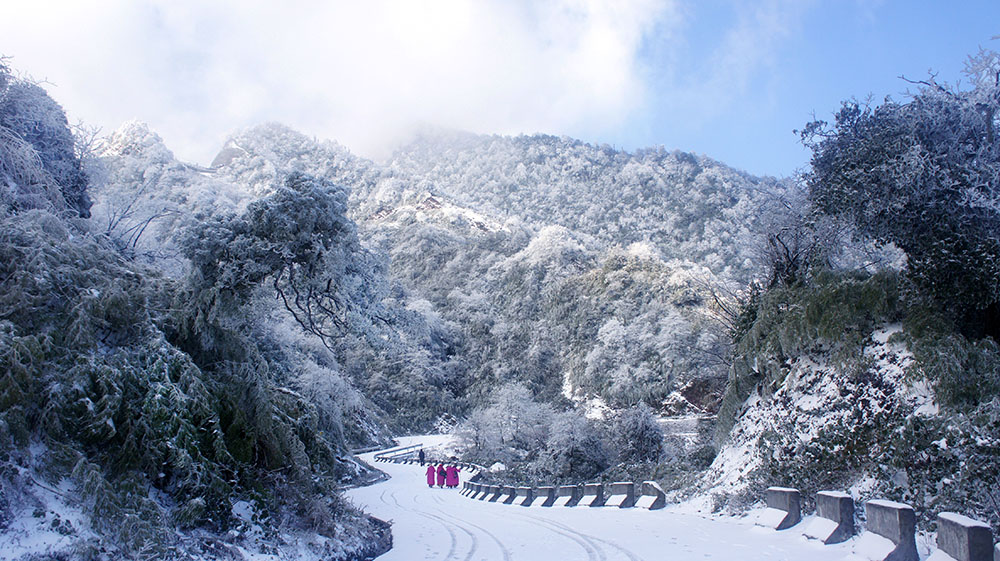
[451,476]
[441,475]
[431,472]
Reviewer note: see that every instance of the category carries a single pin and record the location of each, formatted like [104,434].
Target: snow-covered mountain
[527,247]
[592,276]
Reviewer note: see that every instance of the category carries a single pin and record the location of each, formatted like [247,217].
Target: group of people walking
[445,475]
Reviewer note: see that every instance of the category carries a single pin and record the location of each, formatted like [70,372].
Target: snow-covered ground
[441,524]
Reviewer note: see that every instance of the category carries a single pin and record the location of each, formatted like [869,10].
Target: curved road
[441,524]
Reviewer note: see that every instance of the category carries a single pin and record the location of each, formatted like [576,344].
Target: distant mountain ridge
[690,207]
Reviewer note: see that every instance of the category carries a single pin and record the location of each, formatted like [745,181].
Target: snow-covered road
[441,524]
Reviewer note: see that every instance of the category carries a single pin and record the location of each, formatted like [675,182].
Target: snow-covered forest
[190,354]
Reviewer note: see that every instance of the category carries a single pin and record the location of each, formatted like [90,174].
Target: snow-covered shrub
[637,435]
[513,427]
[532,441]
[965,372]
[575,451]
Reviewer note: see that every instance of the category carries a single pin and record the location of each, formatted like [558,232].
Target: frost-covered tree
[298,241]
[38,162]
[923,175]
[637,434]
[512,427]
[575,450]
[145,198]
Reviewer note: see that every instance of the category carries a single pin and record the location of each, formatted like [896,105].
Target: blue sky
[728,79]
[817,55]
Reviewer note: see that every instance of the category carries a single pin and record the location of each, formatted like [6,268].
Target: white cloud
[746,51]
[358,72]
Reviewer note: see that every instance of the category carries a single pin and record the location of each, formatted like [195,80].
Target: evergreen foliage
[155,403]
[296,240]
[37,151]
[923,176]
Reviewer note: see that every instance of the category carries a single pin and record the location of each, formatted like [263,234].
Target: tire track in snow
[442,522]
[396,501]
[594,553]
[627,553]
[472,536]
[503,549]
[589,544]
[631,556]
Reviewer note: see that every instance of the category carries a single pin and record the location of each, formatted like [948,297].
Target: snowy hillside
[818,406]
[691,208]
[476,243]
[851,386]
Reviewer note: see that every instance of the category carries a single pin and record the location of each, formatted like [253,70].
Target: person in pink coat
[451,476]
[431,474]
[441,475]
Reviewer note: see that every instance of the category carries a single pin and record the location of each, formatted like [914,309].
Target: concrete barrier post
[482,492]
[568,495]
[622,494]
[495,493]
[511,494]
[834,522]
[595,490]
[783,509]
[528,495]
[548,494]
[961,538]
[891,532]
[652,496]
